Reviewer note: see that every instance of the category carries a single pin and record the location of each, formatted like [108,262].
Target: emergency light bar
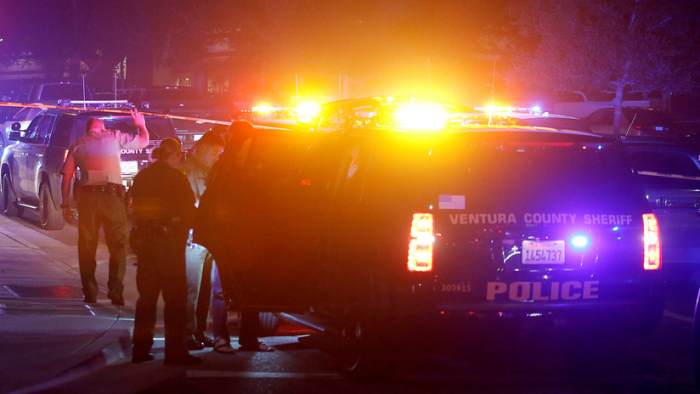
[501,109]
[303,112]
[422,116]
[96,103]
[266,108]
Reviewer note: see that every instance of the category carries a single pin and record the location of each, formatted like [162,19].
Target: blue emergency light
[580,241]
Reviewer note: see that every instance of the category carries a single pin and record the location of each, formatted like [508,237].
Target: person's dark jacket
[163,196]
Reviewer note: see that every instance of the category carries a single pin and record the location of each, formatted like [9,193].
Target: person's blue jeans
[198,288]
[219,310]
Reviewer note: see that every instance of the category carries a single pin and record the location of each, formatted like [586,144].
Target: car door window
[348,184]
[61,136]
[45,129]
[33,129]
[41,133]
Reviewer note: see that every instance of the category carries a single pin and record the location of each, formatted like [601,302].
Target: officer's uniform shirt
[98,154]
[162,195]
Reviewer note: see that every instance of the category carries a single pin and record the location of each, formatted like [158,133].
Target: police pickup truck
[373,233]
[30,167]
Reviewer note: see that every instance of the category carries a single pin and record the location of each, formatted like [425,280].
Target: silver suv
[30,168]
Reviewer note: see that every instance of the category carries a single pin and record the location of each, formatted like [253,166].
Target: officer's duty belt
[111,188]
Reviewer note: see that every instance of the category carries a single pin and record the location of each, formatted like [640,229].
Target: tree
[65,35]
[387,46]
[615,46]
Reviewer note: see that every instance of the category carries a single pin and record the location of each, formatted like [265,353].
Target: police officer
[100,200]
[164,209]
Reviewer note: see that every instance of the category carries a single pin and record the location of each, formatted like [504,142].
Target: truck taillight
[652,242]
[420,246]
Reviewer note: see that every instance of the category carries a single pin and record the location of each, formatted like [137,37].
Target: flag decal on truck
[451,201]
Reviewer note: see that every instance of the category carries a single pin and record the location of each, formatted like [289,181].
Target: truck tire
[9,206]
[50,217]
[269,323]
[364,352]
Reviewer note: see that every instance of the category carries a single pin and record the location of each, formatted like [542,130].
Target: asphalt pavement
[48,336]
[52,342]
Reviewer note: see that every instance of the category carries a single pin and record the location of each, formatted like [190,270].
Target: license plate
[543,252]
[130,167]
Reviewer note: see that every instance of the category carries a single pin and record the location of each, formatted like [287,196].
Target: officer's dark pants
[249,328]
[161,267]
[102,209]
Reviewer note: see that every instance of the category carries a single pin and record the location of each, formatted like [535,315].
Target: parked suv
[52,92]
[385,238]
[30,168]
[641,122]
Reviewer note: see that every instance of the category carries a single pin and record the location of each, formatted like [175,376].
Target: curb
[113,347]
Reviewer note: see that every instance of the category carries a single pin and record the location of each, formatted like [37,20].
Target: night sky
[439,48]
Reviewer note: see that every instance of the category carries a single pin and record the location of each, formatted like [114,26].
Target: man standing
[199,262]
[96,159]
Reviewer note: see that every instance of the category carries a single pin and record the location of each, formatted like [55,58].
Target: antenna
[84,99]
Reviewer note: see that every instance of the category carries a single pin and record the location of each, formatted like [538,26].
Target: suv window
[158,128]
[62,136]
[26,113]
[33,126]
[601,116]
[555,123]
[545,175]
[41,134]
[663,166]
[62,91]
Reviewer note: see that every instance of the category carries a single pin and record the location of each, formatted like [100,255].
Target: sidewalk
[47,334]
[52,342]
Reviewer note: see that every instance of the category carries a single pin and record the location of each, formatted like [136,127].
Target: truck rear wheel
[50,217]
[363,351]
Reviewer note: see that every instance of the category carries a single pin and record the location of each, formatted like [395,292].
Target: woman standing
[164,208]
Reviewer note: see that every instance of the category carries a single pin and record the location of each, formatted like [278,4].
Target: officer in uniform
[164,209]
[100,200]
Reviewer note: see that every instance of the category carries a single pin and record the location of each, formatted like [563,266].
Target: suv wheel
[51,218]
[9,206]
[363,351]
